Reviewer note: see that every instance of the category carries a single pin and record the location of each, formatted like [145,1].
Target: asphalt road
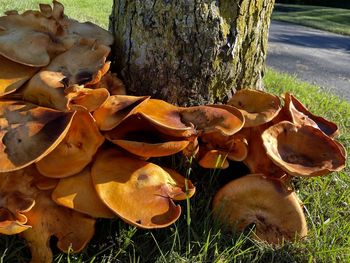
[315,56]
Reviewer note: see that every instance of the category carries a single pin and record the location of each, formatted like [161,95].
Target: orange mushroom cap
[28,133]
[137,191]
[111,82]
[208,119]
[300,115]
[116,109]
[72,229]
[302,151]
[140,138]
[13,75]
[258,107]
[76,149]
[265,202]
[213,159]
[78,193]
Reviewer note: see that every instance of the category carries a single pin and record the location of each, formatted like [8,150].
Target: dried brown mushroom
[137,191]
[265,202]
[258,107]
[76,149]
[28,133]
[302,150]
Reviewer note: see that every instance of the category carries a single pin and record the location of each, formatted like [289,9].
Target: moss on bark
[190,51]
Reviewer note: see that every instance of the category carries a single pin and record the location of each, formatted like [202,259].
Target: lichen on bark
[190,52]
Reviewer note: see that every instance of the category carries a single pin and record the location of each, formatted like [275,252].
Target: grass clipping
[82,141]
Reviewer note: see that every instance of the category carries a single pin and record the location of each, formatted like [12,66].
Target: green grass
[335,20]
[82,10]
[327,200]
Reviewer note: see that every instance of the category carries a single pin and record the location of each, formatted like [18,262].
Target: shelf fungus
[267,203]
[138,192]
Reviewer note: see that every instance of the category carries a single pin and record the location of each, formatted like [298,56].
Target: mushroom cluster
[74,147]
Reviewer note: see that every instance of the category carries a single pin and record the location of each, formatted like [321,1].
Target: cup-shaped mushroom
[28,133]
[137,191]
[213,159]
[78,193]
[300,115]
[49,86]
[115,109]
[238,149]
[75,151]
[265,202]
[258,107]
[257,160]
[139,137]
[13,75]
[185,187]
[72,229]
[302,150]
[209,119]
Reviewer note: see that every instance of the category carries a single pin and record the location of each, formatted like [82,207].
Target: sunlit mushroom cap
[76,149]
[29,39]
[29,132]
[72,229]
[141,138]
[300,115]
[115,109]
[258,107]
[267,203]
[112,83]
[137,191]
[302,150]
[165,117]
[78,193]
[208,119]
[13,75]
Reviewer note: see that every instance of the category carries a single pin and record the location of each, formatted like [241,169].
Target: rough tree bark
[190,51]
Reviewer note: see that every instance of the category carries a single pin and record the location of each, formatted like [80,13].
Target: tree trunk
[190,52]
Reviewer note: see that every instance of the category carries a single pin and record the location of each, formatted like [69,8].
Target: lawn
[195,237]
[335,20]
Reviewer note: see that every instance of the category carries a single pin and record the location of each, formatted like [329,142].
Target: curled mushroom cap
[72,229]
[300,115]
[258,107]
[140,138]
[50,86]
[13,75]
[302,151]
[137,191]
[76,149]
[78,193]
[29,132]
[255,199]
[32,33]
[115,109]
